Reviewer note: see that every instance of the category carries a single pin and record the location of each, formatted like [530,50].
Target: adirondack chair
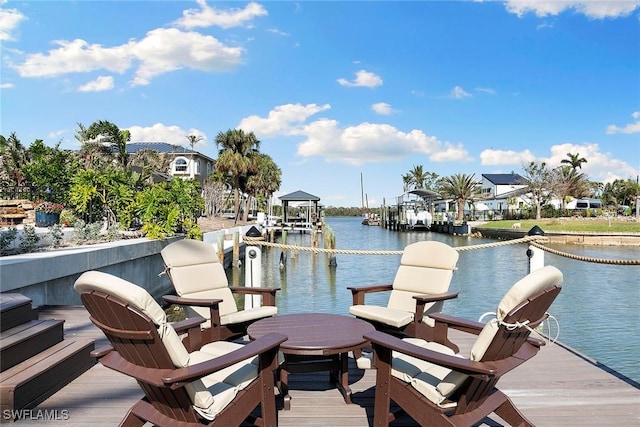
[220,384]
[203,289]
[437,387]
[419,289]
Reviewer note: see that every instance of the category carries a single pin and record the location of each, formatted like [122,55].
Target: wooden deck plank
[556,387]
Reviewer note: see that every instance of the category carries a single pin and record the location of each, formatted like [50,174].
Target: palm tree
[267,178]
[193,140]
[112,135]
[462,188]
[14,157]
[234,159]
[567,182]
[574,160]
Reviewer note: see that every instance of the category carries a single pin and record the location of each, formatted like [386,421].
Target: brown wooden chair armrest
[268,294]
[436,297]
[458,323]
[152,376]
[178,376]
[101,351]
[358,292]
[466,366]
[186,324]
[173,299]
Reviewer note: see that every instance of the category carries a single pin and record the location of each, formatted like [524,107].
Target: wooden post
[236,248]
[221,248]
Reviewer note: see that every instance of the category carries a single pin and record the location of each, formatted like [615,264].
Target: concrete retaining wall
[48,277]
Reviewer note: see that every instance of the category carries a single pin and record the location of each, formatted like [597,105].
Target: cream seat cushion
[210,394]
[196,273]
[425,268]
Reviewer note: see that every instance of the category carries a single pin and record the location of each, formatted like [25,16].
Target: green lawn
[596,225]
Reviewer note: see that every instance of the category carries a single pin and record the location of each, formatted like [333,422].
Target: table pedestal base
[337,365]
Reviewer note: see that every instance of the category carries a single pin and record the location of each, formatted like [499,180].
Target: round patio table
[316,342]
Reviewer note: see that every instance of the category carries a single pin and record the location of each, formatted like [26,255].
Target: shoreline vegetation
[572,225]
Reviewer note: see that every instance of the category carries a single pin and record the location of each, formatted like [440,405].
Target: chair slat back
[135,337]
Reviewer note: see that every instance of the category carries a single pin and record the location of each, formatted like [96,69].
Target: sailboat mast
[362,190]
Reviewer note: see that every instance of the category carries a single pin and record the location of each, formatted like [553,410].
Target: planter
[44,219]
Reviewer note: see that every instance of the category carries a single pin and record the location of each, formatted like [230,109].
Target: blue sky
[337,89]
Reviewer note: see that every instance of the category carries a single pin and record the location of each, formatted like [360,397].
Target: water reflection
[598,308]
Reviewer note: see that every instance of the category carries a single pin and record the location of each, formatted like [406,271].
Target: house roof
[425,194]
[505,178]
[162,147]
[299,196]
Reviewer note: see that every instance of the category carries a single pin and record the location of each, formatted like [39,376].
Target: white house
[185,163]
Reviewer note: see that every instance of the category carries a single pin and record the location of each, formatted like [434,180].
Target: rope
[525,324]
[585,258]
[532,240]
[260,241]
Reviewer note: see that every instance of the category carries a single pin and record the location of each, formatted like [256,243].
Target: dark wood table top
[314,333]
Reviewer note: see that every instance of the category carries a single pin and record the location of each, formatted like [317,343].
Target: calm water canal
[598,308]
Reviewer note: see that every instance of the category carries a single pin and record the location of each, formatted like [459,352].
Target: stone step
[28,339]
[15,309]
[29,383]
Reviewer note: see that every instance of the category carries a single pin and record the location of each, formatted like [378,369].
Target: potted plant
[48,214]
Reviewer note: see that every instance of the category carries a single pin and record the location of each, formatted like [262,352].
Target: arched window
[180,165]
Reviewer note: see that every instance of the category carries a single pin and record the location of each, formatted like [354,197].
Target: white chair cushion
[227,306]
[434,382]
[193,266]
[520,292]
[124,290]
[249,314]
[388,316]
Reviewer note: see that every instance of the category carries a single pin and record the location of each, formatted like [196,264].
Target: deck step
[15,309]
[28,339]
[31,382]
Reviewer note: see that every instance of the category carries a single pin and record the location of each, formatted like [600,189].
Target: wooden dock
[556,388]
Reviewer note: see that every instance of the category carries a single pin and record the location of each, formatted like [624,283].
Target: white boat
[420,220]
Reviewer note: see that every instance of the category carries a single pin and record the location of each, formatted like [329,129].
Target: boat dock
[556,387]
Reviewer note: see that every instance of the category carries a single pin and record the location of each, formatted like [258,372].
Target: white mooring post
[535,255]
[252,274]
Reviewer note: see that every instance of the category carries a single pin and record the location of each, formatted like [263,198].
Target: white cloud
[282,120]
[162,50]
[600,166]
[169,134]
[208,16]
[9,20]
[492,157]
[357,144]
[57,134]
[459,93]
[486,90]
[6,85]
[278,32]
[382,108]
[181,50]
[630,128]
[100,84]
[74,57]
[451,153]
[589,8]
[363,79]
